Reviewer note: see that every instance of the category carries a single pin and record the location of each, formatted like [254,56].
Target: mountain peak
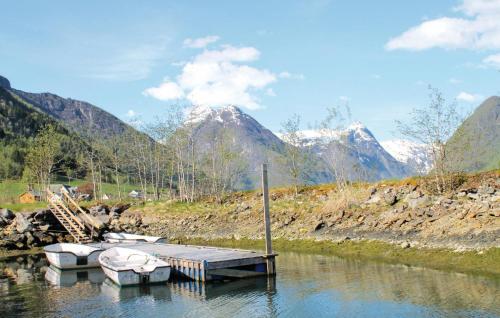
[221,114]
[357,125]
[4,82]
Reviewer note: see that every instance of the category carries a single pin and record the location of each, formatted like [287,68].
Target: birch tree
[433,125]
[295,157]
[41,158]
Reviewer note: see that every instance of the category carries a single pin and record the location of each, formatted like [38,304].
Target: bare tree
[335,153]
[433,125]
[222,164]
[295,157]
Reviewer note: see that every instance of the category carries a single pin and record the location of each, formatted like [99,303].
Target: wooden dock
[203,263]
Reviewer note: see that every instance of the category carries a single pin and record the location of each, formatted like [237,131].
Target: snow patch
[416,155]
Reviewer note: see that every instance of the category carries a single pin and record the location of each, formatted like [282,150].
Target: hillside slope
[19,122]
[78,116]
[476,144]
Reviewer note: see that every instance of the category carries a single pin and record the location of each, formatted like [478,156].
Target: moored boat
[72,256]
[132,238]
[126,266]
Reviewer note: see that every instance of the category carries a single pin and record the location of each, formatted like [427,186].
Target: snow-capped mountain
[356,149]
[415,155]
[256,143]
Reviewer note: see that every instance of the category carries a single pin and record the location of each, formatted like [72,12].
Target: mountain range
[363,156]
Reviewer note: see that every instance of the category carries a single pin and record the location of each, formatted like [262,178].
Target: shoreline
[484,263]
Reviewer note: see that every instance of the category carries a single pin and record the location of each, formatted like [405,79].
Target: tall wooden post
[267,222]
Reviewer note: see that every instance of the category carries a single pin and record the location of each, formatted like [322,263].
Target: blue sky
[273,58]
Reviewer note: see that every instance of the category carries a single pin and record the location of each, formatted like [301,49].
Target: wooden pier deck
[203,263]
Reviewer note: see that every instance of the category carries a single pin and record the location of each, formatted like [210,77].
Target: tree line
[166,159]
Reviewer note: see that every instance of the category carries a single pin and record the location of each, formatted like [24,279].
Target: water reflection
[306,285]
[68,278]
[117,293]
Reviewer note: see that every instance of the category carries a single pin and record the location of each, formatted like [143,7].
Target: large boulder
[7,214]
[119,208]
[98,210]
[22,223]
[44,215]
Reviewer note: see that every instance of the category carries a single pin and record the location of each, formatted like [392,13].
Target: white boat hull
[132,238]
[72,256]
[126,266]
[130,277]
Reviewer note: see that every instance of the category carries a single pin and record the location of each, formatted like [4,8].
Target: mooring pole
[267,222]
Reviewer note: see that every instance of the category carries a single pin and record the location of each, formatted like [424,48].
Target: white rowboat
[126,266]
[132,238]
[72,256]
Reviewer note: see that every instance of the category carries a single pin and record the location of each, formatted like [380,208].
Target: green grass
[484,263]
[11,189]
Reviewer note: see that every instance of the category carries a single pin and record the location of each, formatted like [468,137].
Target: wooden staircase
[66,210]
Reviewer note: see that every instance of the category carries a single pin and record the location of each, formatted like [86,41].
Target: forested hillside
[20,122]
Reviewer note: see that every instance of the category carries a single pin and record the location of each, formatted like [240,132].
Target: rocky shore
[402,212]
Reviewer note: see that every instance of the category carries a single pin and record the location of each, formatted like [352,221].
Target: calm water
[306,286]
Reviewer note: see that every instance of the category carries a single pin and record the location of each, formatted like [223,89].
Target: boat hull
[131,277]
[132,238]
[73,256]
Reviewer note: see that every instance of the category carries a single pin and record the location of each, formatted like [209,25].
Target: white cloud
[218,77]
[288,75]
[166,91]
[344,98]
[478,29]
[376,76]
[455,81]
[469,98]
[492,60]
[131,113]
[200,43]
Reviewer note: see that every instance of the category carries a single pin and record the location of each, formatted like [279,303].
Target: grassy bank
[484,263]
[13,253]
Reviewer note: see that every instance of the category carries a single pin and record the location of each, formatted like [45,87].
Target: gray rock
[390,198]
[30,239]
[7,214]
[486,190]
[44,228]
[22,223]
[414,195]
[43,215]
[473,196]
[414,203]
[405,245]
[98,210]
[374,199]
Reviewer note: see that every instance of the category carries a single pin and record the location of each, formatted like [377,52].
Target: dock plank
[198,262]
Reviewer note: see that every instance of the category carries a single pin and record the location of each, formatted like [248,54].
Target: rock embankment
[26,230]
[403,212]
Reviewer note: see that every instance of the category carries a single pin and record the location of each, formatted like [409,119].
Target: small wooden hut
[30,197]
